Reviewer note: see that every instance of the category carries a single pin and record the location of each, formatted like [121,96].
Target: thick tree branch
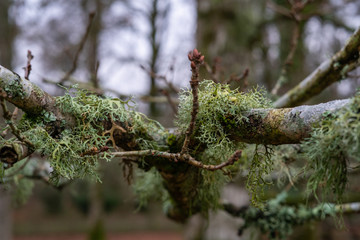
[267,126]
[282,126]
[27,96]
[330,71]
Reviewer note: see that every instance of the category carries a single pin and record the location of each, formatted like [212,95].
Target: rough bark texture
[27,96]
[330,71]
[284,125]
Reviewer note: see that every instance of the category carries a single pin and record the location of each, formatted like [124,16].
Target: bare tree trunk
[5,215]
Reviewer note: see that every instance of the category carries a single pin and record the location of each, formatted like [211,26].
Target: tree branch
[282,126]
[28,97]
[330,71]
[267,126]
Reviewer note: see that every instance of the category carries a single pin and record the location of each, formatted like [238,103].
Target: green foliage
[278,219]
[335,142]
[220,110]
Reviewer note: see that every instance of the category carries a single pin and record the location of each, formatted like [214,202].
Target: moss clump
[220,110]
[331,146]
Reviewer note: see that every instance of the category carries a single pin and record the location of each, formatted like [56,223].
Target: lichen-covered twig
[27,96]
[196,60]
[284,125]
[178,157]
[8,116]
[330,71]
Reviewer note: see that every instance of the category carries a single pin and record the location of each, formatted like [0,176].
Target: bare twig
[81,46]
[279,9]
[196,60]
[178,157]
[169,99]
[28,67]
[214,70]
[8,116]
[13,118]
[161,77]
[239,78]
[295,15]
[288,62]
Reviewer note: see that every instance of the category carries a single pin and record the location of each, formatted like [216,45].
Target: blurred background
[138,48]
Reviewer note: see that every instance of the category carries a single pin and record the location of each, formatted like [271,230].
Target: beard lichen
[220,110]
[332,145]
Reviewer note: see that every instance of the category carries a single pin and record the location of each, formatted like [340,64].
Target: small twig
[171,102]
[288,62]
[296,8]
[239,78]
[196,60]
[178,157]
[8,116]
[161,77]
[95,76]
[81,46]
[214,70]
[13,118]
[94,151]
[279,9]
[127,170]
[28,67]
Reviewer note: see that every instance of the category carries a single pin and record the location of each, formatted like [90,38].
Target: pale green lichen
[331,147]
[220,110]
[149,186]
[278,219]
[67,149]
